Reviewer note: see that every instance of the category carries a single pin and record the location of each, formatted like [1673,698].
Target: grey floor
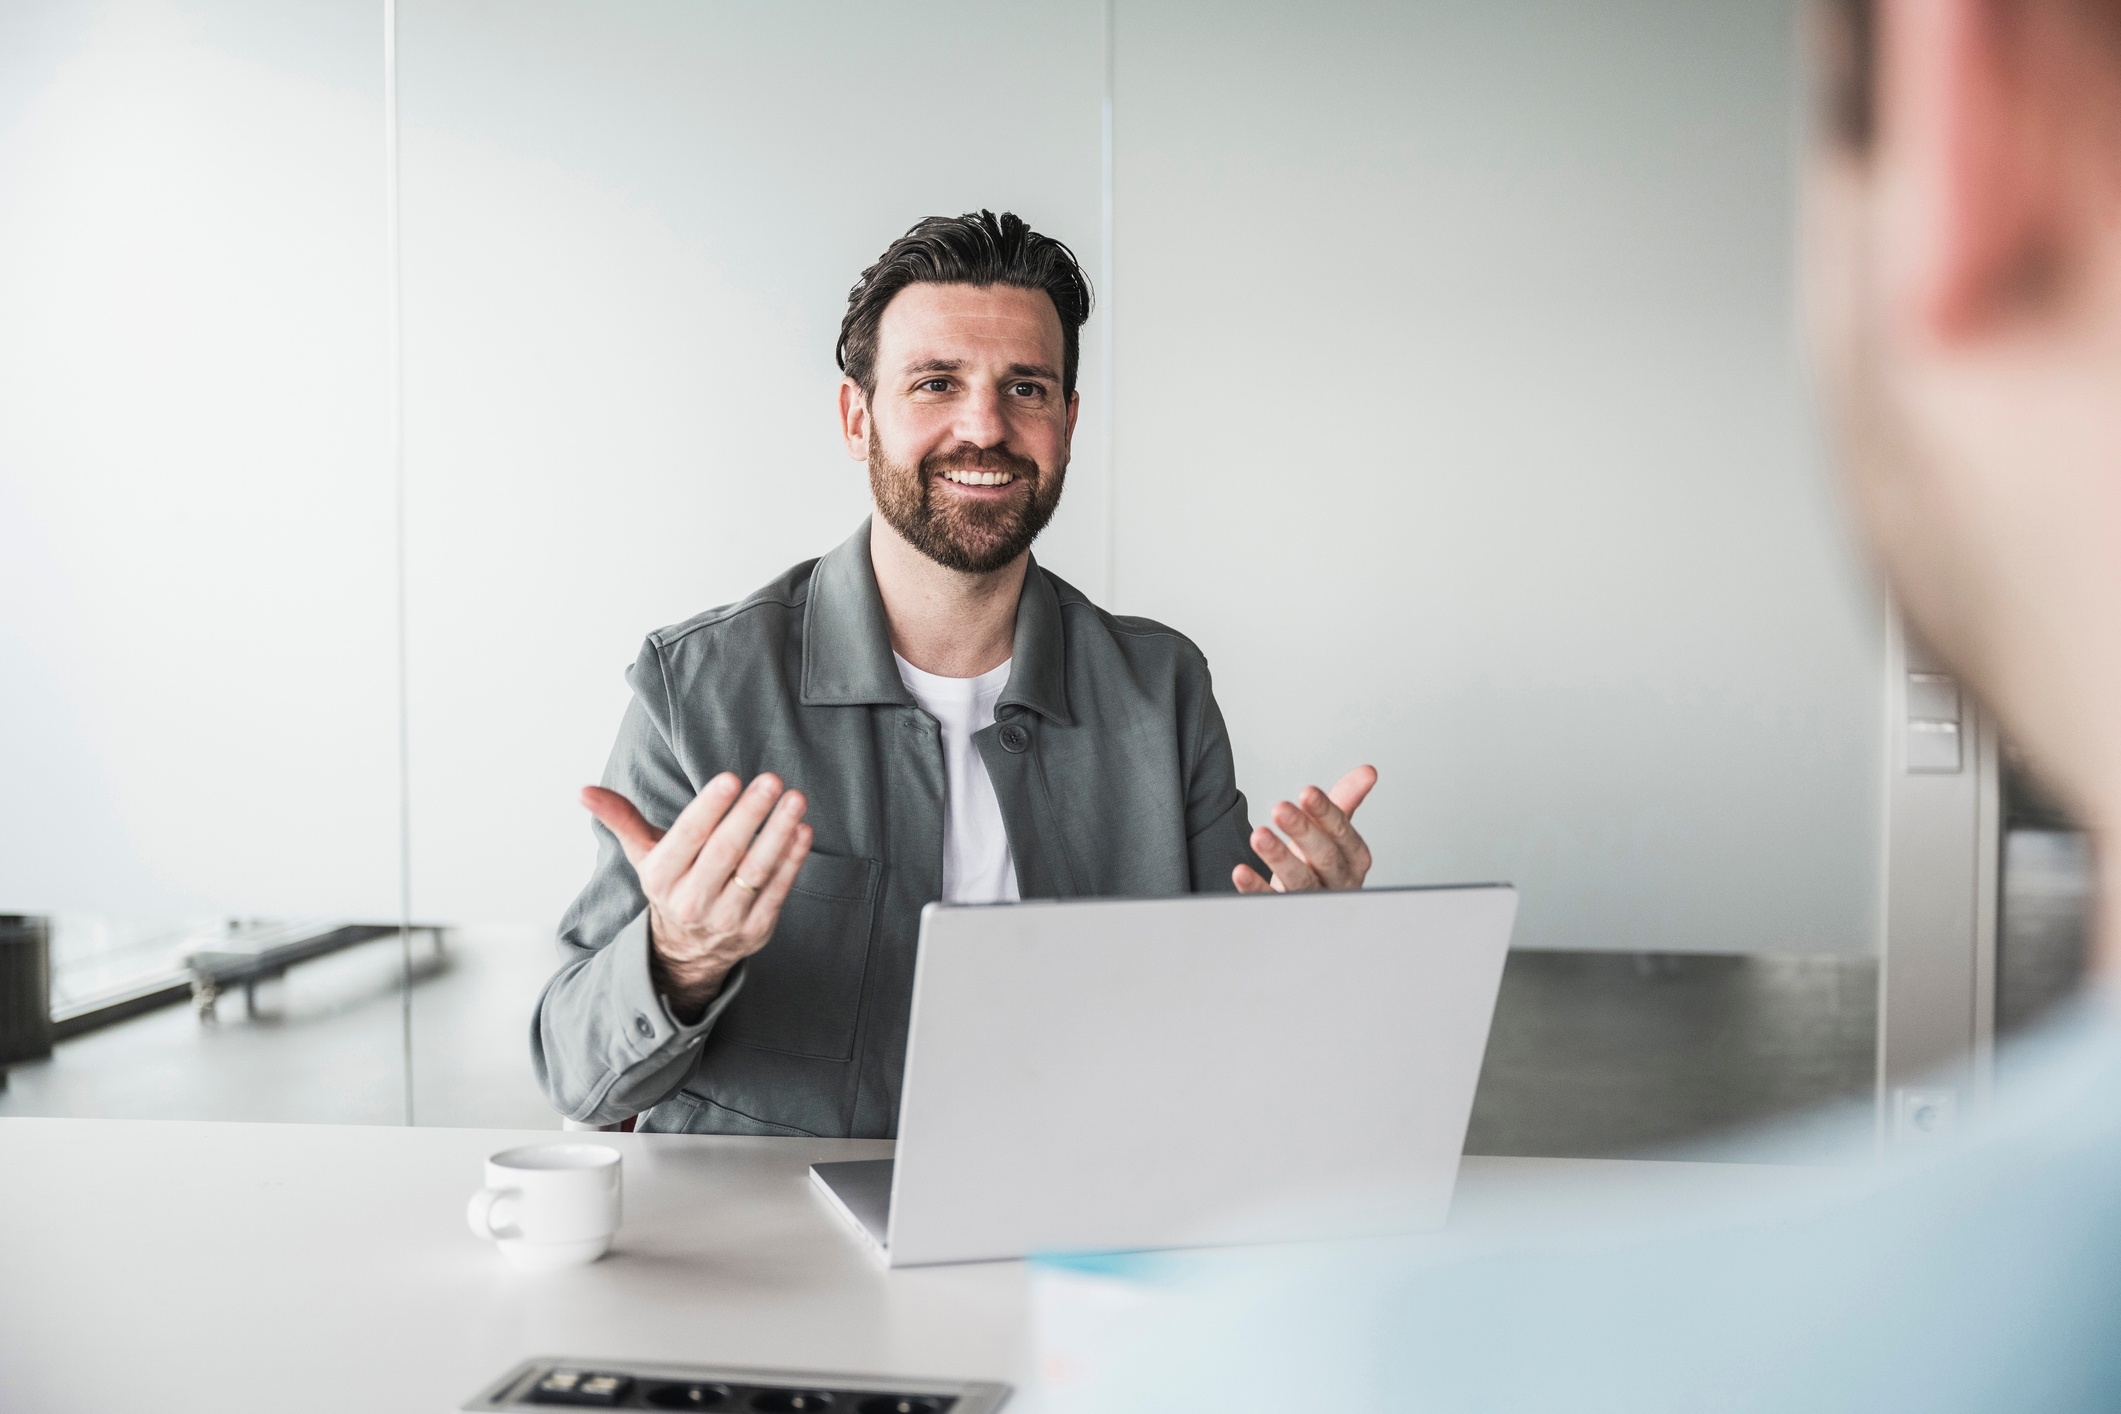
[1591,1054]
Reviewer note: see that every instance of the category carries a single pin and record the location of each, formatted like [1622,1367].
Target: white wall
[1459,420]
[197,661]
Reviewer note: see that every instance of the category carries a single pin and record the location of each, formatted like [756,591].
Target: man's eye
[936,385]
[1026,390]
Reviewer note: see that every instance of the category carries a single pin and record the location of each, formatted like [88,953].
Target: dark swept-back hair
[1848,87]
[978,248]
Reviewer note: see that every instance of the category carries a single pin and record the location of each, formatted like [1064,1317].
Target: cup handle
[479,1213]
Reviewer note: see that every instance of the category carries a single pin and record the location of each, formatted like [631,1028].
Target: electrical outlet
[1924,1116]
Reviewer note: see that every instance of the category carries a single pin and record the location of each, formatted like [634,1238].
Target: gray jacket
[1108,755]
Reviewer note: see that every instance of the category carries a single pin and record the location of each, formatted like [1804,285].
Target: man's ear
[854,419]
[1975,197]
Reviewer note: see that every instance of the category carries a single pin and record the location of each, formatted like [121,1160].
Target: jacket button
[1015,738]
[646,1027]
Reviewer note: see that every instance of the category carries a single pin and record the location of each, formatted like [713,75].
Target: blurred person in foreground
[1963,296]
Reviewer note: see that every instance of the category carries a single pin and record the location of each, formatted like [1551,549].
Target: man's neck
[946,623]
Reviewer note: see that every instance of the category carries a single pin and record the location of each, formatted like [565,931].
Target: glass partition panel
[629,232]
[199,730]
[1517,497]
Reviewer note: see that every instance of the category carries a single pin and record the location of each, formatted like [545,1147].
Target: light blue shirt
[1986,1277]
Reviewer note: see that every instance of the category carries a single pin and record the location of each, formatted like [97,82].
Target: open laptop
[1113,1075]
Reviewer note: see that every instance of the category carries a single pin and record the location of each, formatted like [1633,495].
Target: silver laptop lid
[1123,1074]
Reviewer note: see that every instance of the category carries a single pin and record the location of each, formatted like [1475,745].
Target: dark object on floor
[110,1008]
[2043,941]
[2044,935]
[255,952]
[2047,895]
[25,989]
[260,952]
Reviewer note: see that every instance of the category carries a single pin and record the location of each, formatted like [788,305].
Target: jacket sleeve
[1218,827]
[603,1043]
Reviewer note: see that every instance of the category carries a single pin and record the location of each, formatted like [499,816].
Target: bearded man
[924,713]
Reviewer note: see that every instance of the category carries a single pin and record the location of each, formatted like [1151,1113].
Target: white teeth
[980,478]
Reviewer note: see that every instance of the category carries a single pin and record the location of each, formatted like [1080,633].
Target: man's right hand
[715,880]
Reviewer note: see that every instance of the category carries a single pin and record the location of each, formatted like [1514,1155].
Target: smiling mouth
[978,478]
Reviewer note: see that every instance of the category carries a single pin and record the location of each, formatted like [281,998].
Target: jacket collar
[1038,667]
[847,640]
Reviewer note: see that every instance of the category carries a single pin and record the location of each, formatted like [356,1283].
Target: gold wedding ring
[738,880]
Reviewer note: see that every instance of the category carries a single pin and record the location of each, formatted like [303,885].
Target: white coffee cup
[549,1205]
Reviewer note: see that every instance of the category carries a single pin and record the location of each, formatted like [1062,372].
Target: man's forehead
[929,322]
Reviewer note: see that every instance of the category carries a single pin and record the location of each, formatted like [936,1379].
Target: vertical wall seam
[1894,652]
[397,475]
[1106,381]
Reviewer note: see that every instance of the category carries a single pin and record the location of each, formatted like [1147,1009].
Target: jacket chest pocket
[803,991]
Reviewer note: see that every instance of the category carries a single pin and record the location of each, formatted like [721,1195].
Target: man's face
[1976,402]
[967,433]
[1850,311]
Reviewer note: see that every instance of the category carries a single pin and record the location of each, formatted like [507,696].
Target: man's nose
[980,420]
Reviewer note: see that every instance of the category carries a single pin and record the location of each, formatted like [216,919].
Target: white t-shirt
[977,864]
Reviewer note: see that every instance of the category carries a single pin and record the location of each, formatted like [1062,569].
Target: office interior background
[360,410]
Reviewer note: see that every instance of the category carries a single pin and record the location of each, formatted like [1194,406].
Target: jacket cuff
[644,1012]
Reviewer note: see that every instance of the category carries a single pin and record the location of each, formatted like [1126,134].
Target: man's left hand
[1323,849]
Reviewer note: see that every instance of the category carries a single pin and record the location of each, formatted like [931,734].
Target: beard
[967,536]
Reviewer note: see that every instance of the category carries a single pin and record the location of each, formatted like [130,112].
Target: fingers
[1323,847]
[688,834]
[1349,790]
[1329,855]
[767,910]
[1291,870]
[762,862]
[1335,847]
[616,813]
[1318,809]
[701,887]
[702,923]
[1248,881]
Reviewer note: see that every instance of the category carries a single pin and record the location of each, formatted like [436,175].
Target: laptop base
[859,1190]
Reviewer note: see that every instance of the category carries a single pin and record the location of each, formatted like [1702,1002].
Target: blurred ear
[1968,128]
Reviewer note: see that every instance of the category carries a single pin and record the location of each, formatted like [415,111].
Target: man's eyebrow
[953,365]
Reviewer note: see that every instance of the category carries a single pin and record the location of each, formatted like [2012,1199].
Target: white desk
[188,1266]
